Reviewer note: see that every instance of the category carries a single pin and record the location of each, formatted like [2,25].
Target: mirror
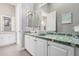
[7,24]
[43,20]
[29,18]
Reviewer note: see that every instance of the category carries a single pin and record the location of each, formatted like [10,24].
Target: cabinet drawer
[6,39]
[56,51]
[57,48]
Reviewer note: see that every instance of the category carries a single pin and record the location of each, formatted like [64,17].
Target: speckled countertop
[60,38]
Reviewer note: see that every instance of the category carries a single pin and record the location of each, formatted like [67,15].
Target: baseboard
[28,52]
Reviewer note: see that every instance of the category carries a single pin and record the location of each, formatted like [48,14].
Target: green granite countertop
[61,38]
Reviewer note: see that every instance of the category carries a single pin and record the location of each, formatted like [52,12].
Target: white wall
[19,25]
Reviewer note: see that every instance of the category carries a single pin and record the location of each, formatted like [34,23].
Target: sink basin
[42,34]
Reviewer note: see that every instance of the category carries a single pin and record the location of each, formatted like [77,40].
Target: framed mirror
[6,23]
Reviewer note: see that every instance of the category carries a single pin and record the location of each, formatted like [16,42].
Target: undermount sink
[42,34]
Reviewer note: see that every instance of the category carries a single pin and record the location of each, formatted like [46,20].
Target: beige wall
[7,9]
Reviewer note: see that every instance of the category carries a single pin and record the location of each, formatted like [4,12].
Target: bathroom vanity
[7,38]
[51,45]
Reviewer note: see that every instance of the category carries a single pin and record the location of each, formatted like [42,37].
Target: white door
[51,21]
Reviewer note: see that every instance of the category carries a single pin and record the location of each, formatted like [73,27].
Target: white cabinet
[36,46]
[40,47]
[29,43]
[76,51]
[51,21]
[7,38]
[56,49]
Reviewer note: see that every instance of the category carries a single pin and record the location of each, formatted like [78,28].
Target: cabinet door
[76,51]
[51,21]
[56,49]
[1,40]
[27,42]
[35,47]
[40,47]
[31,45]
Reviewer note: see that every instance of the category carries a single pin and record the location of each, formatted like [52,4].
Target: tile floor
[12,51]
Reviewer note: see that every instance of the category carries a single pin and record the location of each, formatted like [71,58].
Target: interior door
[51,21]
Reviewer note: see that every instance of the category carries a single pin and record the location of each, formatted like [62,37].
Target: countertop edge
[57,41]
